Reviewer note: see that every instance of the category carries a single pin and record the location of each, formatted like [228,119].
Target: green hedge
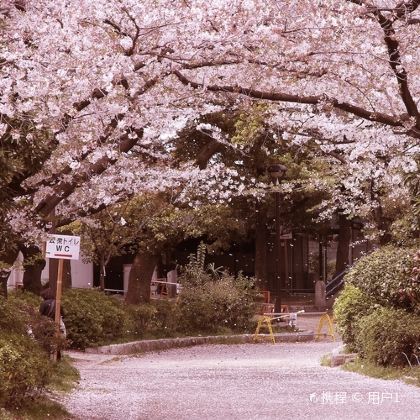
[350,306]
[215,306]
[383,336]
[93,318]
[386,277]
[25,341]
[24,317]
[159,318]
[25,369]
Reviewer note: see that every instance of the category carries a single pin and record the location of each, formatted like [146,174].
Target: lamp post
[276,172]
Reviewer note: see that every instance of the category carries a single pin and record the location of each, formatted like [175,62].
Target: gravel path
[251,381]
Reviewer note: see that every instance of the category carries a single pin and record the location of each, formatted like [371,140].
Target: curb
[338,357]
[341,359]
[169,343]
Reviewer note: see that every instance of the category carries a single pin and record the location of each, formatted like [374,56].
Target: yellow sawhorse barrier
[267,320]
[325,319]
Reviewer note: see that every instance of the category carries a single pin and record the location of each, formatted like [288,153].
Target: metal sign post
[61,247]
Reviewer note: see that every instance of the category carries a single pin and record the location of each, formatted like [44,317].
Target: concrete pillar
[320,297]
[172,278]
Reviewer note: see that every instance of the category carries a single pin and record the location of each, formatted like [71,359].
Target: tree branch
[358,111]
[392,44]
[65,188]
[401,11]
[67,169]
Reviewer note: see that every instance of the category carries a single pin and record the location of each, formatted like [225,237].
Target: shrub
[24,369]
[157,319]
[20,314]
[167,318]
[217,304]
[350,306]
[26,341]
[141,317]
[383,336]
[92,318]
[24,298]
[386,276]
[12,318]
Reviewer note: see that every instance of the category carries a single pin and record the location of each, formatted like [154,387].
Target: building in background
[81,274]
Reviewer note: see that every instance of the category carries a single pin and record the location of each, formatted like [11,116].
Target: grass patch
[408,375]
[40,408]
[326,360]
[64,379]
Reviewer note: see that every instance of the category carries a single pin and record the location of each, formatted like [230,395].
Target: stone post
[320,297]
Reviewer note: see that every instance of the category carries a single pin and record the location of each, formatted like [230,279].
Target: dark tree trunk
[343,246]
[53,272]
[7,257]
[205,154]
[261,236]
[33,263]
[383,225]
[140,276]
[102,269]
[4,275]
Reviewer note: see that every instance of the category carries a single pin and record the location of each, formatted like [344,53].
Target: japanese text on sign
[63,246]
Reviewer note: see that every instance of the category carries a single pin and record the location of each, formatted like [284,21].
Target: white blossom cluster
[113,81]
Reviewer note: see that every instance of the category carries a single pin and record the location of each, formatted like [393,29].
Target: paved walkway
[250,381]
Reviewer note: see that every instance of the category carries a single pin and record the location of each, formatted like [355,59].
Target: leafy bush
[215,305]
[386,276]
[24,298]
[20,314]
[157,319]
[12,318]
[141,317]
[383,336]
[350,306]
[26,341]
[24,369]
[167,318]
[92,318]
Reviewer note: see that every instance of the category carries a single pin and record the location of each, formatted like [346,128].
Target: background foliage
[351,305]
[378,311]
[388,336]
[386,276]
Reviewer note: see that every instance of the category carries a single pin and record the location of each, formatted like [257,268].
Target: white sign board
[286,236]
[65,247]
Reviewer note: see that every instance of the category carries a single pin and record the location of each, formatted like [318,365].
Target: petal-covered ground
[252,381]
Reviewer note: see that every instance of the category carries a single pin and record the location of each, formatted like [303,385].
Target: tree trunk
[261,236]
[102,273]
[4,276]
[344,239]
[383,225]
[7,257]
[140,276]
[53,273]
[33,263]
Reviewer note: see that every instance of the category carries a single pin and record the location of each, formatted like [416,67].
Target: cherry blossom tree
[112,82]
